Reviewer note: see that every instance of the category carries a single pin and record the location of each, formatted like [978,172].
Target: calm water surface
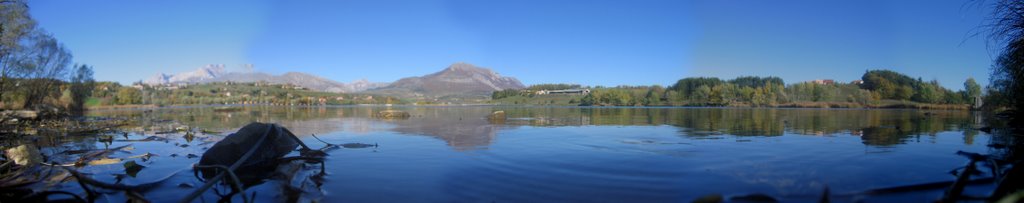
[455,154]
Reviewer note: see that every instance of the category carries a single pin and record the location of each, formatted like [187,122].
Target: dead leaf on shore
[104,161]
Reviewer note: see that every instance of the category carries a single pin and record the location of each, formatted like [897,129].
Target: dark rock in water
[357,145]
[713,198]
[279,142]
[986,129]
[753,198]
[131,168]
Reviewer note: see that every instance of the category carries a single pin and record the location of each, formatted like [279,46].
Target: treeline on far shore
[114,95]
[876,89]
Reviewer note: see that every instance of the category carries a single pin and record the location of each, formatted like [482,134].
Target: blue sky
[589,42]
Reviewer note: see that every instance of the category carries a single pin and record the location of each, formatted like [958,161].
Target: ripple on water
[595,167]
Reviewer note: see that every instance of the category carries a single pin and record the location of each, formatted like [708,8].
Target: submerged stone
[497,116]
[393,114]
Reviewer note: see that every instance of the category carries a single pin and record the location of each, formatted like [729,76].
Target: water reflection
[467,127]
[463,129]
[611,154]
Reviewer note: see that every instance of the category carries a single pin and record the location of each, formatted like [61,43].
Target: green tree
[588,100]
[904,93]
[702,95]
[723,94]
[821,92]
[45,66]
[653,96]
[82,86]
[687,86]
[129,95]
[755,82]
[971,90]
[928,93]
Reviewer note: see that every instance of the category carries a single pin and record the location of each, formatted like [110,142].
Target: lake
[566,154]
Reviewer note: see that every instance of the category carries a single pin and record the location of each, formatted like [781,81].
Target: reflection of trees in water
[461,128]
[300,120]
[877,127]
[1005,143]
[467,127]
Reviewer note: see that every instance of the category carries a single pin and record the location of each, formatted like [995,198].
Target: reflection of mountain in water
[462,129]
[467,127]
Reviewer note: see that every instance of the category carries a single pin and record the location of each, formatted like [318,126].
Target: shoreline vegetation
[876,89]
[888,104]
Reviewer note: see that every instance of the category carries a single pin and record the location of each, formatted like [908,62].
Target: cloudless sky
[607,43]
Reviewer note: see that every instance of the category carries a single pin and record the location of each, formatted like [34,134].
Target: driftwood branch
[139,188]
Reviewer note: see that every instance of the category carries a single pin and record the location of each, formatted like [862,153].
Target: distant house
[564,92]
[857,82]
[824,81]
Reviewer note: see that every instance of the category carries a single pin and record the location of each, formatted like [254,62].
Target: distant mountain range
[459,80]
[197,76]
[216,73]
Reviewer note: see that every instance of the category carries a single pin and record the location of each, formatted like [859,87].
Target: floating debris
[103,161]
[205,131]
[144,157]
[357,145]
[98,154]
[393,114]
[147,139]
